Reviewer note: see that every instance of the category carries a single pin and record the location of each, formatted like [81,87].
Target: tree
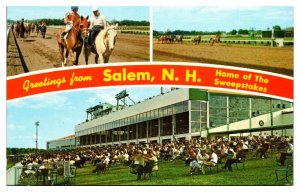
[277,28]
[243,32]
[233,32]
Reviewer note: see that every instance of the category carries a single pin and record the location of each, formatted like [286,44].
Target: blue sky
[58,113]
[115,12]
[223,18]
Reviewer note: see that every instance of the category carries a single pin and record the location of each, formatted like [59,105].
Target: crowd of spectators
[197,154]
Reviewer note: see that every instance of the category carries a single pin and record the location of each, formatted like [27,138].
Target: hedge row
[135,32]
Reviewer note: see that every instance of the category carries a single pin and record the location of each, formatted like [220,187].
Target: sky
[110,13]
[223,18]
[58,113]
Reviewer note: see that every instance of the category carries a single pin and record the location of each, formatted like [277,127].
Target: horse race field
[37,53]
[276,59]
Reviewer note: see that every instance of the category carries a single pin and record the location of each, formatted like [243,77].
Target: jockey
[98,22]
[69,19]
[43,23]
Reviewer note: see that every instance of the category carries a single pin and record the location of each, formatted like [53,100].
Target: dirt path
[14,63]
[39,53]
[279,60]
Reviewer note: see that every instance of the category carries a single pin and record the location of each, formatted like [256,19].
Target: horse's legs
[77,57]
[96,58]
[61,54]
[106,58]
[86,55]
[72,58]
[101,58]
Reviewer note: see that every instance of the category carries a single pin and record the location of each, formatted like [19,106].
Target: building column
[106,133]
[271,116]
[100,137]
[119,135]
[147,131]
[190,119]
[227,118]
[127,135]
[207,117]
[173,126]
[159,125]
[137,133]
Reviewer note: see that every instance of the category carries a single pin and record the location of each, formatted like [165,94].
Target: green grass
[9,165]
[258,172]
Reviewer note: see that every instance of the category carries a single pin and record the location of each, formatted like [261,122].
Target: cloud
[13,126]
[55,101]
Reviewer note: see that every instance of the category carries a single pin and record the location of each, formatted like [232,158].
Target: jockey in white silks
[98,22]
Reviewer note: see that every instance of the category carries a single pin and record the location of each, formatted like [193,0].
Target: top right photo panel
[251,37]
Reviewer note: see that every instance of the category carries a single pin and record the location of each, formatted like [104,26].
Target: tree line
[232,32]
[22,151]
[61,22]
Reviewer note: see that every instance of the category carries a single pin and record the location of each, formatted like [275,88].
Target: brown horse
[17,29]
[37,28]
[27,29]
[214,39]
[73,42]
[32,27]
[165,38]
[43,29]
[197,39]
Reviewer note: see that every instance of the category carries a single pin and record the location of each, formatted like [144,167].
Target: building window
[182,123]
[153,128]
[166,126]
[238,108]
[217,110]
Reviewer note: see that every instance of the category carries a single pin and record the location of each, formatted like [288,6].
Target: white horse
[105,42]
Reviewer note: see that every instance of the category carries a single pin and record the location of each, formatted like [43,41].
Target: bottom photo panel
[149,136]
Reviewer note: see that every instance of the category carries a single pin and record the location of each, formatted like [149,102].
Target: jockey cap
[95,8]
[74,7]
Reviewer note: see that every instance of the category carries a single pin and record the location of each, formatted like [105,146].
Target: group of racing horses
[23,29]
[179,39]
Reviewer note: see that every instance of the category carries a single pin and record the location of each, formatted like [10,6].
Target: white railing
[13,174]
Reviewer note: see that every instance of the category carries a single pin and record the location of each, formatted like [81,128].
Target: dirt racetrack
[278,60]
[39,53]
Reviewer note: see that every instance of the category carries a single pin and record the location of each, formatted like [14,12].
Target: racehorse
[162,38]
[178,38]
[104,43]
[27,29]
[32,27]
[73,42]
[37,28]
[17,29]
[197,39]
[22,30]
[43,29]
[165,38]
[214,39]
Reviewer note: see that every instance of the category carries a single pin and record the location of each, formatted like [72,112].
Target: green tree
[233,32]
[277,28]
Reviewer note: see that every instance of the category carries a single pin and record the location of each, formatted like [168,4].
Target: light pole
[36,136]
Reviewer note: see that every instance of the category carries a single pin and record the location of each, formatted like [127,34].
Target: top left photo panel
[43,37]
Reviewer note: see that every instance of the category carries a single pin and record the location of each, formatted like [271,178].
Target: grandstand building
[182,114]
[67,142]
